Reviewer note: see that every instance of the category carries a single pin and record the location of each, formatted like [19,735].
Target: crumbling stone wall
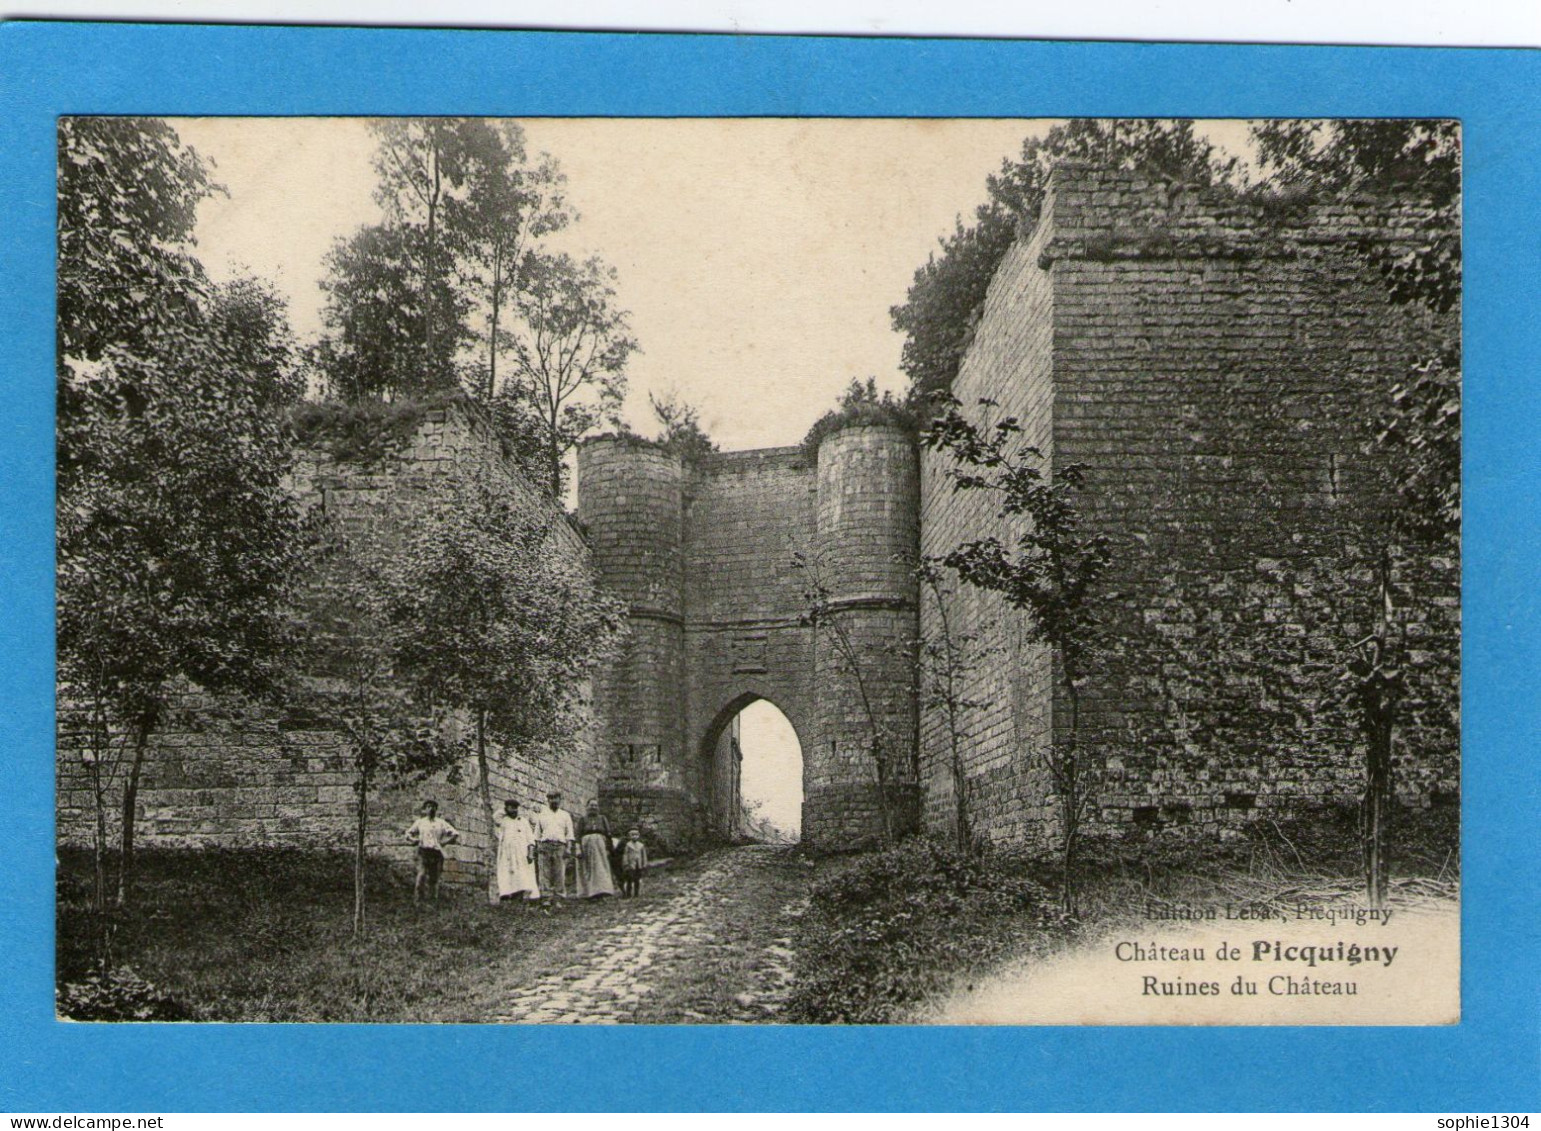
[1005,789]
[1217,365]
[220,774]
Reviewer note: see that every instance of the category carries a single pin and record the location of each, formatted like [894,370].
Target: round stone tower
[860,773]
[631,500]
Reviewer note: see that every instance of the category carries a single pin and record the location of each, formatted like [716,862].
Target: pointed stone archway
[723,749]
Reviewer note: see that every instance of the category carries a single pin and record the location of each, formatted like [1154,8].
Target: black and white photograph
[759,570]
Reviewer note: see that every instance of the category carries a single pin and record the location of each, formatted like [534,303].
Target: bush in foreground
[117,994]
[889,929]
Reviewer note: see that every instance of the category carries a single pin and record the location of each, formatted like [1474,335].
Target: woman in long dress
[516,856]
[594,876]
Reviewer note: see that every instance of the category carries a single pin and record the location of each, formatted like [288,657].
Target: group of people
[534,852]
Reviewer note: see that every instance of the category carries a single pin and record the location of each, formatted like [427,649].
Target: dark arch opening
[755,761]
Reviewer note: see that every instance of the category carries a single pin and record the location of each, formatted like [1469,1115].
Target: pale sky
[772,766]
[758,257]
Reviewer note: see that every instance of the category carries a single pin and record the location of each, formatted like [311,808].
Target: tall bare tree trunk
[1070,798]
[1377,818]
[360,845]
[99,909]
[962,825]
[130,811]
[492,329]
[555,457]
[486,792]
[959,791]
[1379,705]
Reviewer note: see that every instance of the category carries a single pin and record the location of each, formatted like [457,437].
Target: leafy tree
[1419,160]
[454,281]
[420,162]
[349,652]
[176,538]
[509,204]
[253,323]
[681,431]
[1416,439]
[1051,574]
[375,347]
[570,350]
[942,308]
[1384,155]
[488,620]
[128,198]
[521,432]
[459,208]
[943,305]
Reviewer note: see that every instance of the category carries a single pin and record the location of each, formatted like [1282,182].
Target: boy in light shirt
[430,833]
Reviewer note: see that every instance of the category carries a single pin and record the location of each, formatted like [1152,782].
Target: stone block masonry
[219,774]
[1005,787]
[1217,365]
[703,555]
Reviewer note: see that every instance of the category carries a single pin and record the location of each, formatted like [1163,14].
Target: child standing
[430,832]
[633,864]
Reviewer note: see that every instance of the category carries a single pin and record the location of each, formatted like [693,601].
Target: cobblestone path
[716,950]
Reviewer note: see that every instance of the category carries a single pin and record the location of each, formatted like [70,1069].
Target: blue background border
[1491,1061]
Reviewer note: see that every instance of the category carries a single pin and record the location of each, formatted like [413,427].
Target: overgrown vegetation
[861,403]
[680,432]
[1050,571]
[680,429]
[1415,438]
[1324,843]
[942,309]
[455,290]
[363,432]
[1363,565]
[887,930]
[473,615]
[177,538]
[266,935]
[116,993]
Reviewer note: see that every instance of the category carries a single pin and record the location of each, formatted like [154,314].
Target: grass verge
[266,935]
[887,930]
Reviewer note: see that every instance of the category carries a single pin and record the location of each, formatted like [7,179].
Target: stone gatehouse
[1214,363]
[702,552]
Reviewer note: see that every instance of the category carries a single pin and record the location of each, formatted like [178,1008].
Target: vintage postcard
[759,570]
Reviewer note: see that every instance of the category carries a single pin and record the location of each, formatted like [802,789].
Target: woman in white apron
[516,855]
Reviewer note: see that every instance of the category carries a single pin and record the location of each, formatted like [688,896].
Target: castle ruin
[1213,362]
